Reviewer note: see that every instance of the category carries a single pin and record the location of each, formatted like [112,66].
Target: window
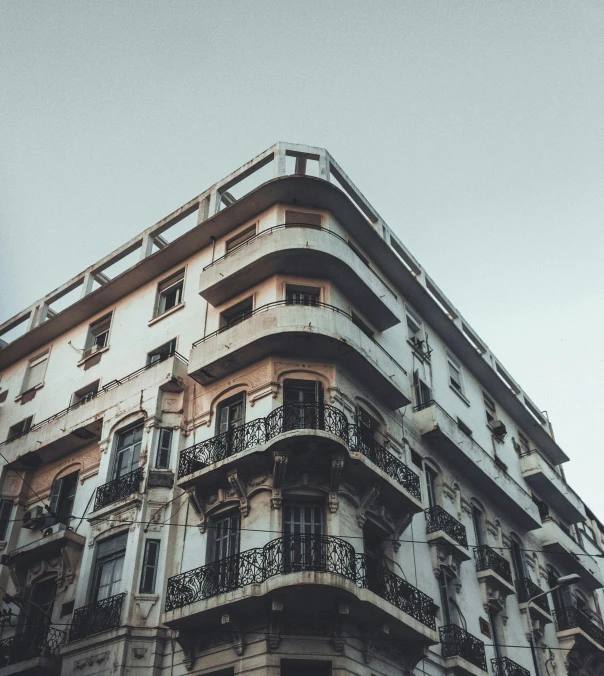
[302,404]
[231,413]
[455,377]
[98,335]
[40,609]
[237,313]
[6,509]
[302,526]
[496,632]
[20,428]
[490,409]
[541,506]
[162,352]
[521,570]
[164,446]
[302,217]
[36,369]
[240,238]
[85,394]
[169,293]
[357,321]
[417,459]
[62,497]
[300,295]
[150,561]
[431,479]
[423,394]
[223,546]
[369,427]
[128,450]
[447,598]
[108,567]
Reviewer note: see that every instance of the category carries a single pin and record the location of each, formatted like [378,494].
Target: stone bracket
[239,488]
[366,500]
[279,470]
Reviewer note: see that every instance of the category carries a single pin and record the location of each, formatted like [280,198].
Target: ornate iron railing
[386,461]
[527,590]
[457,642]
[292,553]
[291,417]
[573,618]
[96,617]
[37,641]
[504,666]
[439,519]
[489,559]
[117,489]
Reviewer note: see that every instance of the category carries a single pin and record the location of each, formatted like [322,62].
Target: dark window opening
[85,394]
[128,451]
[237,313]
[299,295]
[108,567]
[169,293]
[98,335]
[62,497]
[164,446]
[162,352]
[417,459]
[423,394]
[431,479]
[20,428]
[150,562]
[240,238]
[296,217]
[231,413]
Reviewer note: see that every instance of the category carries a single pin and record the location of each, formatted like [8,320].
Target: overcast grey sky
[474,128]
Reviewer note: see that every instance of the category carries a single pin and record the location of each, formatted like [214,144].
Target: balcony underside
[458,665]
[301,251]
[314,594]
[443,434]
[301,332]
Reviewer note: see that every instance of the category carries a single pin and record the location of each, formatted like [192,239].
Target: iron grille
[117,489]
[527,590]
[386,461]
[488,559]
[291,417]
[572,618]
[504,666]
[438,519]
[457,642]
[32,642]
[96,617]
[293,553]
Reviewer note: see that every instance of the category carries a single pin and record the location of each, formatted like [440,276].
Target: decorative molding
[239,490]
[91,660]
[370,495]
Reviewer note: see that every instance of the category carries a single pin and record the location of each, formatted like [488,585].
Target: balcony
[34,651]
[290,425]
[309,564]
[321,330]
[96,617]
[492,568]
[542,477]
[504,666]
[573,625]
[118,489]
[300,249]
[443,433]
[462,652]
[445,530]
[538,609]
[570,554]
[77,425]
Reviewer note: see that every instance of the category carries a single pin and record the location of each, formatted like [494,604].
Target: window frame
[59,495]
[243,235]
[40,358]
[167,285]
[158,350]
[149,543]
[90,346]
[453,364]
[237,312]
[117,451]
[6,511]
[164,448]
[80,396]
[26,424]
[103,560]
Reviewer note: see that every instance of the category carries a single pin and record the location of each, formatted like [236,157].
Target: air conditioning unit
[498,428]
[34,519]
[51,530]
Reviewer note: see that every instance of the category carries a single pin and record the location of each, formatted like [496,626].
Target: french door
[304,546]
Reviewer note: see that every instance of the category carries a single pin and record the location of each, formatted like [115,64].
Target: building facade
[258,438]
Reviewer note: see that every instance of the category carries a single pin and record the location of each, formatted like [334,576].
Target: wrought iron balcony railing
[527,590]
[504,666]
[291,417]
[38,641]
[96,617]
[489,559]
[457,642]
[439,519]
[573,618]
[288,554]
[117,489]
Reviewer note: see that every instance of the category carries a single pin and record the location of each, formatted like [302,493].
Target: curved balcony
[300,249]
[307,561]
[463,653]
[293,422]
[323,331]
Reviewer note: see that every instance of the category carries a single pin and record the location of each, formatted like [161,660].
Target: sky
[476,130]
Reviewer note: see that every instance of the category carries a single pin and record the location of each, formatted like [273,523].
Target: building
[271,445]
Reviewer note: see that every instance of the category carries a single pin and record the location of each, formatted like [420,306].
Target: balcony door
[521,569]
[302,404]
[128,451]
[108,568]
[447,598]
[302,530]
[223,571]
[230,419]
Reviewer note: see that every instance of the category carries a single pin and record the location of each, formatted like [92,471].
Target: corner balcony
[446,531]
[96,618]
[494,570]
[315,429]
[570,554]
[77,425]
[541,476]
[316,568]
[538,609]
[504,666]
[35,651]
[573,627]
[300,249]
[442,432]
[321,330]
[463,653]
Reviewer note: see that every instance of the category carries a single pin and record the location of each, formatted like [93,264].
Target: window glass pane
[163,449]
[149,572]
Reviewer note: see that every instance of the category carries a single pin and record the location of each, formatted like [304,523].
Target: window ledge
[39,386]
[171,311]
[94,354]
[465,400]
